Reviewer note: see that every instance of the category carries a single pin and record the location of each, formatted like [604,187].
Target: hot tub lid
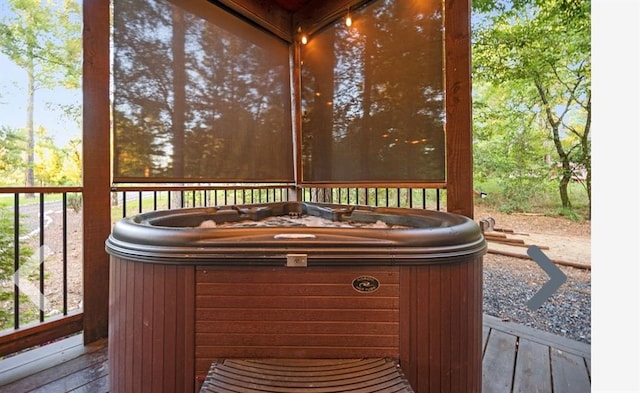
[325,234]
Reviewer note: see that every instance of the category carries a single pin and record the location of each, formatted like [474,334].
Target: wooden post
[96,168]
[458,88]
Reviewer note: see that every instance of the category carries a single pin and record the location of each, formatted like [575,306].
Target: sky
[13,100]
[13,104]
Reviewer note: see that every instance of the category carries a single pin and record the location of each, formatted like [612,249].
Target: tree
[48,160]
[44,39]
[12,144]
[540,49]
[509,146]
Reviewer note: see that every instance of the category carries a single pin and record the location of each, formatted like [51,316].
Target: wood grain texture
[96,198]
[151,328]
[283,312]
[305,375]
[499,362]
[565,377]
[441,326]
[533,369]
[458,104]
[51,364]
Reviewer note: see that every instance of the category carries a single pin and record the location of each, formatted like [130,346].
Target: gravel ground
[509,283]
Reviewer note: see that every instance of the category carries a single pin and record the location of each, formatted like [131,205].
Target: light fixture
[347,19]
[302,36]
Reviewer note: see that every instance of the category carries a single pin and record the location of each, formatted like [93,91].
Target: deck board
[515,358]
[569,372]
[498,362]
[533,369]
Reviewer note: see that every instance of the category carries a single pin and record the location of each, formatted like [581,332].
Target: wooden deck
[516,359]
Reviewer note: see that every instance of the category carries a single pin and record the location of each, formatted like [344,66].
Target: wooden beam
[315,15]
[458,104]
[264,13]
[96,166]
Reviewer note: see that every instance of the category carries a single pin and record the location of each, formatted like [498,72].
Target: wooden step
[305,375]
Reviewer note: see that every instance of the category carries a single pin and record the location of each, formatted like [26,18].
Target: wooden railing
[40,265]
[405,197]
[131,200]
[41,241]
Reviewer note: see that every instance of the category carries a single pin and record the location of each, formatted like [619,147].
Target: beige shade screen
[373,104]
[198,96]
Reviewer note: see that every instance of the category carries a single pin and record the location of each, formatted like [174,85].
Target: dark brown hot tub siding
[151,320]
[279,312]
[169,322]
[441,326]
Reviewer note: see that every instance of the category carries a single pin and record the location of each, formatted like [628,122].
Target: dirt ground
[559,238]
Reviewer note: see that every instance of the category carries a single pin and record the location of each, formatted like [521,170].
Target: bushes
[7,257]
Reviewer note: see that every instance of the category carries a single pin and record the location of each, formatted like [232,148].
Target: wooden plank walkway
[516,358]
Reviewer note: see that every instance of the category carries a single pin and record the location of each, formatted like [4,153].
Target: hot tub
[294,280]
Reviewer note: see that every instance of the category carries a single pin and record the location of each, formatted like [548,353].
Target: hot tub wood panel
[183,297]
[294,313]
[441,330]
[151,321]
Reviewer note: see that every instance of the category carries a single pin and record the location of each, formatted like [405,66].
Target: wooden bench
[305,375]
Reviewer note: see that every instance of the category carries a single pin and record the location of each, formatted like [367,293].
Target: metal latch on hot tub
[296,260]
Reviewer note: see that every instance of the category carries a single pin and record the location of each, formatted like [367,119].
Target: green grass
[7,200]
[545,202]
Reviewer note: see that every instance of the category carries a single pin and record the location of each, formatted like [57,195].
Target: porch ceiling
[292,5]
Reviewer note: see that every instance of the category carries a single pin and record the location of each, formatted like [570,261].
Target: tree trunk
[586,148]
[31,91]
[179,95]
[565,176]
[565,179]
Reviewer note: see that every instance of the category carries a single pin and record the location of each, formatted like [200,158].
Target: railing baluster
[41,260]
[65,272]
[424,198]
[124,204]
[16,261]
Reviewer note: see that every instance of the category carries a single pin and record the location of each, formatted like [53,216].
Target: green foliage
[57,166]
[509,147]
[43,38]
[532,95]
[12,145]
[7,257]
[570,214]
[53,166]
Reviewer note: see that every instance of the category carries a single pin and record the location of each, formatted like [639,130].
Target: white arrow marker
[30,267]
